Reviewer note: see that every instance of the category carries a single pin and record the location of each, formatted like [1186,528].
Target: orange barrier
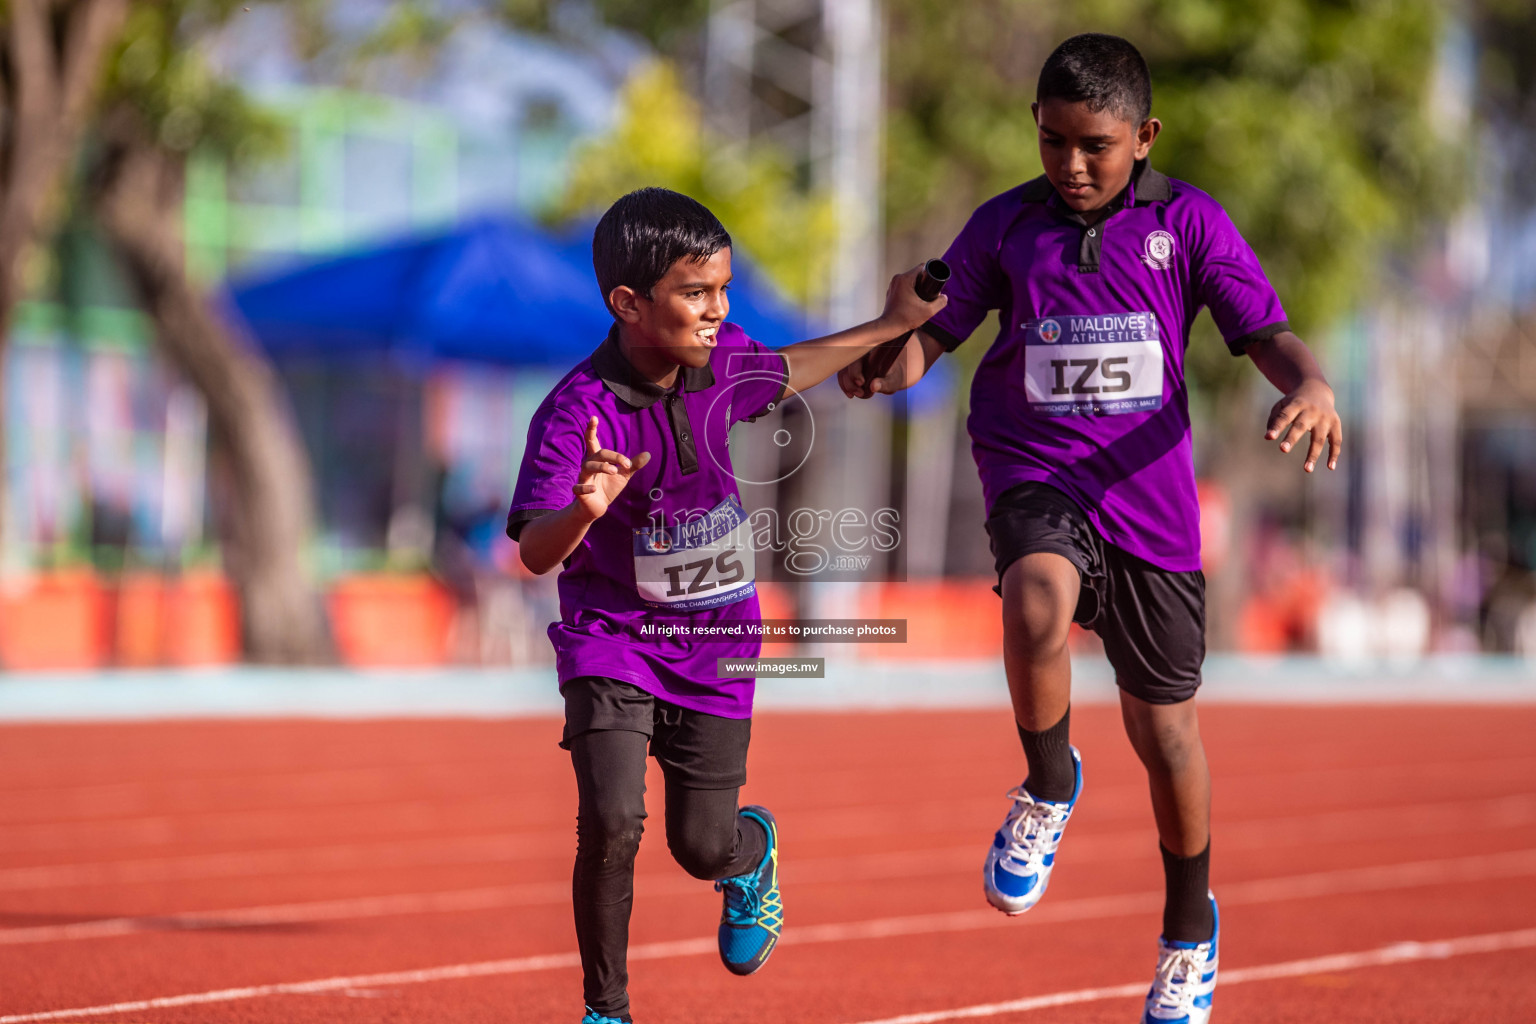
[1283,616]
[57,620]
[140,626]
[76,620]
[203,624]
[191,619]
[945,619]
[391,620]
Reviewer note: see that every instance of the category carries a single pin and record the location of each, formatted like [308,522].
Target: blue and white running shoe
[753,914]
[1023,852]
[1185,981]
[593,1017]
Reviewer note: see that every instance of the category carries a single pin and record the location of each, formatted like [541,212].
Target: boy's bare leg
[1167,739]
[1039,596]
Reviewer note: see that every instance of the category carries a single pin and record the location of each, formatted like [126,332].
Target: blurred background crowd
[281,284]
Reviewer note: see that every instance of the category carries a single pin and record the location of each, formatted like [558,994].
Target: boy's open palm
[1308,409]
[604,473]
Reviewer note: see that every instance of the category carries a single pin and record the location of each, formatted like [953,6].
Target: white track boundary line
[1268,890]
[1397,953]
[1480,867]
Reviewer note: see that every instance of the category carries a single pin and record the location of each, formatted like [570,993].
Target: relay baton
[930,281]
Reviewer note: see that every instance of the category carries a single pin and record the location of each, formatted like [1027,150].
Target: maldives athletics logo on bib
[1049,331]
[1158,250]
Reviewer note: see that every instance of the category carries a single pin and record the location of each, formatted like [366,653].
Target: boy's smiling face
[676,324]
[1088,155]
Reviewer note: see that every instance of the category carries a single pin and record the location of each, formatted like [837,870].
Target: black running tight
[704,832]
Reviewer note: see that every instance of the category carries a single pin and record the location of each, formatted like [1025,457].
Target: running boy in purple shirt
[627,482]
[1080,428]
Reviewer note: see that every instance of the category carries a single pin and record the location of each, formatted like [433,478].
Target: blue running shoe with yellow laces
[753,913]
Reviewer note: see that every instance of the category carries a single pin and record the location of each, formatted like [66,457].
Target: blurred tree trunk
[53,58]
[137,191]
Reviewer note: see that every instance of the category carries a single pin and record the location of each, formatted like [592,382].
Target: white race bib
[702,564]
[1103,365]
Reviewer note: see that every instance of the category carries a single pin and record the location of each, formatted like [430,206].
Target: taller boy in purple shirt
[1080,428]
[627,481]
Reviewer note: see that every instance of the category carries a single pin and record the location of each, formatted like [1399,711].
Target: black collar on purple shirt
[621,378]
[1145,186]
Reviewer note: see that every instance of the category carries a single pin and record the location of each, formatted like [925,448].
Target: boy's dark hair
[1104,71]
[647,231]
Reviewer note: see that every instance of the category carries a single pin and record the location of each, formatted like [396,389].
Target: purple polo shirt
[1084,387]
[674,547]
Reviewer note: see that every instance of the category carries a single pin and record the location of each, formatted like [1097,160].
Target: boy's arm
[549,540]
[1308,403]
[811,362]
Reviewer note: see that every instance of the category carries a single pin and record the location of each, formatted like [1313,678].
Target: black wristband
[948,341]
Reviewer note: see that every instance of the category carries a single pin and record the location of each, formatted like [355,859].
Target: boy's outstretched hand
[811,362]
[905,312]
[1308,408]
[856,382]
[603,474]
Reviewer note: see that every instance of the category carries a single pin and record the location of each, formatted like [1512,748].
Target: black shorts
[696,749]
[1152,620]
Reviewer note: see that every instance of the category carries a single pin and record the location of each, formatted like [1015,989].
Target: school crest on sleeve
[1157,253]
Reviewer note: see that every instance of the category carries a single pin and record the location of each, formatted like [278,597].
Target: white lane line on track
[1267,890]
[1369,879]
[1396,953]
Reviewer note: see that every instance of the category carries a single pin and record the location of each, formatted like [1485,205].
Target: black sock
[1049,753]
[1187,913]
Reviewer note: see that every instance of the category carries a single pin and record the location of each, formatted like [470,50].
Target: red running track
[1373,864]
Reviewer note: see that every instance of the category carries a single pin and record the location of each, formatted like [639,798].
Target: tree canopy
[659,139]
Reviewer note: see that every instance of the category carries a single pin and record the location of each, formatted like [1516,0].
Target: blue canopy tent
[494,290]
